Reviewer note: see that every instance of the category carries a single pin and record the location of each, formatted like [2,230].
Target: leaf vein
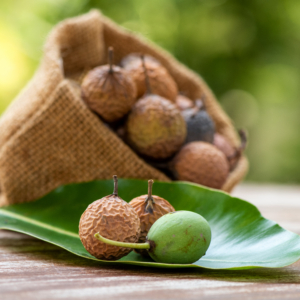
[38,223]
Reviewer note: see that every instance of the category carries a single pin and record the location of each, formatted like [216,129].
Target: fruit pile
[140,101]
[110,228]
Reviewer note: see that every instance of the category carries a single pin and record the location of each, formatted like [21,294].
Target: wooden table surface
[32,269]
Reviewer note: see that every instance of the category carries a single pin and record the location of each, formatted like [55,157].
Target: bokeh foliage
[247,51]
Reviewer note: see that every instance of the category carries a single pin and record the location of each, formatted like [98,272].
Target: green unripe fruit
[180,237]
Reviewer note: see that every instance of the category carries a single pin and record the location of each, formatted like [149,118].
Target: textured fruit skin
[184,102]
[200,126]
[147,219]
[202,163]
[160,80]
[111,95]
[155,127]
[114,219]
[181,237]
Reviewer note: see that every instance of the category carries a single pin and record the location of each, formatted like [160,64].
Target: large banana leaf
[241,237]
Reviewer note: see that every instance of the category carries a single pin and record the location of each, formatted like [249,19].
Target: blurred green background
[247,51]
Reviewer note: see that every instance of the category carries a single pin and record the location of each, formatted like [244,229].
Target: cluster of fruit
[140,101]
[110,228]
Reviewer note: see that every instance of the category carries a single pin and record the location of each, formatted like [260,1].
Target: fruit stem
[150,184]
[115,193]
[149,200]
[122,244]
[110,59]
[148,87]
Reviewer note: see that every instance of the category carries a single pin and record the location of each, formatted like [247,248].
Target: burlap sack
[48,136]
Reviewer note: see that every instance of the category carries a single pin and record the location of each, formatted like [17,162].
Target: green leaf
[241,237]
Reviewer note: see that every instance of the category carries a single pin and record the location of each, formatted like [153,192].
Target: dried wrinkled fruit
[184,102]
[161,82]
[149,208]
[109,91]
[155,127]
[200,126]
[202,163]
[113,218]
[180,237]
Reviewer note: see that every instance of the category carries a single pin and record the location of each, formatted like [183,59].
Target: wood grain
[32,269]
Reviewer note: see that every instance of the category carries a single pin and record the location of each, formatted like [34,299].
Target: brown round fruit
[109,91]
[113,218]
[223,144]
[161,81]
[232,153]
[155,127]
[184,102]
[202,163]
[149,208]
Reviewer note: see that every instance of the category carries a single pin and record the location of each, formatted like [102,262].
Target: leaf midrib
[38,223]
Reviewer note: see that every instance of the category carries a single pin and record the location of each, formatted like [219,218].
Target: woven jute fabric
[49,137]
